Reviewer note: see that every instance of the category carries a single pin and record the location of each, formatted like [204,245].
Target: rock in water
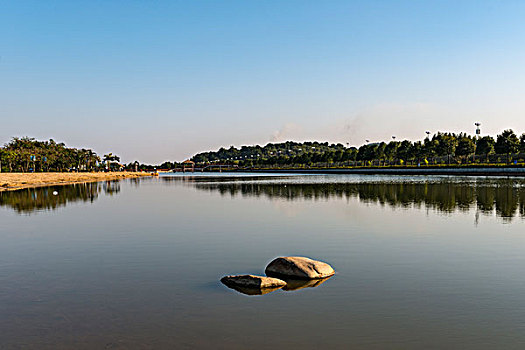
[299,267]
[252,281]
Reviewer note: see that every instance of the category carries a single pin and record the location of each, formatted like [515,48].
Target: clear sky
[162,80]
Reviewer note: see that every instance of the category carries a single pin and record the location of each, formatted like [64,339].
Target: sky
[162,80]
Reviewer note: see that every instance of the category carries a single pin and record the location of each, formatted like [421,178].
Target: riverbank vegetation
[443,148]
[30,155]
[25,154]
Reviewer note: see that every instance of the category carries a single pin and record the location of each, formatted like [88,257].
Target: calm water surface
[422,262]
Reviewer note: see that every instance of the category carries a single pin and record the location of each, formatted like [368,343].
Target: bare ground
[16,181]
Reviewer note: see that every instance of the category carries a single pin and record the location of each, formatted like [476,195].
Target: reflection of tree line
[50,198]
[505,197]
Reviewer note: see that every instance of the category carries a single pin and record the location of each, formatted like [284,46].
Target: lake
[427,262]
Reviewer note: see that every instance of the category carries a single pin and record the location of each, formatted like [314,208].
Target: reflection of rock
[300,284]
[252,290]
[253,285]
[299,268]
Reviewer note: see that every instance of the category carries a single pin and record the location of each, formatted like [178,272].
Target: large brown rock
[298,267]
[252,281]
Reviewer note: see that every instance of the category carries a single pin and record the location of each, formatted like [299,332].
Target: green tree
[21,154]
[418,151]
[522,143]
[391,150]
[466,147]
[380,152]
[446,145]
[405,150]
[110,158]
[2,157]
[430,148]
[507,143]
[485,146]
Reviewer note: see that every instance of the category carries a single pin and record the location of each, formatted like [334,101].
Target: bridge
[189,166]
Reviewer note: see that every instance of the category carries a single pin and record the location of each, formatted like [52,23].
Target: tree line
[27,154]
[441,148]
[30,155]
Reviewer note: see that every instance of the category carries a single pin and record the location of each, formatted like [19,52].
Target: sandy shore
[16,181]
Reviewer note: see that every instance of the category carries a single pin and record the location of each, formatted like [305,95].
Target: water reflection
[29,200]
[502,197]
[250,290]
[291,285]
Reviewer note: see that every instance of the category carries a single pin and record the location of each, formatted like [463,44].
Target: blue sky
[162,80]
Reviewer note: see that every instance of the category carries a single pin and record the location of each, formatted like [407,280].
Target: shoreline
[503,171]
[463,171]
[18,181]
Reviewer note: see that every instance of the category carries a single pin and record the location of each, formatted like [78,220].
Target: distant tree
[485,146]
[23,154]
[446,145]
[417,151]
[363,153]
[391,150]
[522,143]
[2,157]
[350,154]
[380,152]
[11,159]
[405,150]
[324,154]
[466,147]
[430,148]
[110,158]
[339,154]
[507,143]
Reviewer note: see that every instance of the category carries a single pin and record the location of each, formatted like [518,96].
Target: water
[422,262]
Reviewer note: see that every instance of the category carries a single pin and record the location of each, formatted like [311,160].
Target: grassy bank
[16,181]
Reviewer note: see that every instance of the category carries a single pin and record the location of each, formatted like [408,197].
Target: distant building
[188,163]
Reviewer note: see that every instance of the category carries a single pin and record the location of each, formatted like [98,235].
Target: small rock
[252,281]
[299,268]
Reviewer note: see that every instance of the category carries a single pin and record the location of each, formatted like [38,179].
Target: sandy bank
[16,181]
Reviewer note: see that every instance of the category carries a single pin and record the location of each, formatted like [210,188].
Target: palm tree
[110,157]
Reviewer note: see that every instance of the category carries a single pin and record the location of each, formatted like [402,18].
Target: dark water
[422,262]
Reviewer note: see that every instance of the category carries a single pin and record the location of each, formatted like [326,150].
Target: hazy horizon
[165,80]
